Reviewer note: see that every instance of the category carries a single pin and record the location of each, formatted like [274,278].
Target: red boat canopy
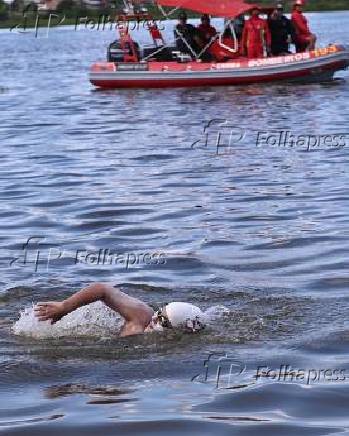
[219,8]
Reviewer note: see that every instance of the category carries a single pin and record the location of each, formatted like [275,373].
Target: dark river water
[262,233]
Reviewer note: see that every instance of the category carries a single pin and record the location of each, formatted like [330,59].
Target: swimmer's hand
[50,311]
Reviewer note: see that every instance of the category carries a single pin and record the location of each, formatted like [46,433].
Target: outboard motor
[115,52]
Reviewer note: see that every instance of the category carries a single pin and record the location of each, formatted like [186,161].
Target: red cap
[298,3]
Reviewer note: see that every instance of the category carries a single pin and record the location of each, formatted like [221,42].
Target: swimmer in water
[138,316]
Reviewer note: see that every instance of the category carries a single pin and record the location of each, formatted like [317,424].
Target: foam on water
[95,319]
[214,313]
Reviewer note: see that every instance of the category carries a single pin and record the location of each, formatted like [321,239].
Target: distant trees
[23,5]
[3,10]
[18,5]
[71,8]
[315,5]
[78,8]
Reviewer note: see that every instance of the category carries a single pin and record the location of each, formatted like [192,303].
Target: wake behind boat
[163,66]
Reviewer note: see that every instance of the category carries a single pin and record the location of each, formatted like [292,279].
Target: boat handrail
[235,39]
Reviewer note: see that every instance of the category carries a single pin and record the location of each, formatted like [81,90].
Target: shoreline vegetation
[13,16]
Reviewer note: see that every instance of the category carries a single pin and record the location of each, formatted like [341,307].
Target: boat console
[116,53]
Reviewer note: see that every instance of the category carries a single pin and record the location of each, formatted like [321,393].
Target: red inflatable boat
[149,71]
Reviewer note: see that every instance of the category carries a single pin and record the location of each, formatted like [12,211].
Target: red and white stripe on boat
[322,62]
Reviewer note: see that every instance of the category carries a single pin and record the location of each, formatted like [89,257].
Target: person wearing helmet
[256,39]
[304,39]
[207,32]
[178,315]
[281,30]
[139,317]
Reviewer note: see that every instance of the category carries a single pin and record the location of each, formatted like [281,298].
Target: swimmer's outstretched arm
[136,313]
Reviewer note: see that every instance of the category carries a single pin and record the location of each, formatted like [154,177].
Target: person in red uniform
[207,32]
[256,39]
[304,40]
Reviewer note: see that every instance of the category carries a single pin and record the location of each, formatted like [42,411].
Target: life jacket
[300,23]
[256,31]
[221,53]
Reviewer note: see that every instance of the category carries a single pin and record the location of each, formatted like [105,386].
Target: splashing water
[215,313]
[96,319]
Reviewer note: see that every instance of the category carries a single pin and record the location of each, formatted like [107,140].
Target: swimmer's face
[160,322]
[194,325]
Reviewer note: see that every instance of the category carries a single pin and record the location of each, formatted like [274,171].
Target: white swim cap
[185,315]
